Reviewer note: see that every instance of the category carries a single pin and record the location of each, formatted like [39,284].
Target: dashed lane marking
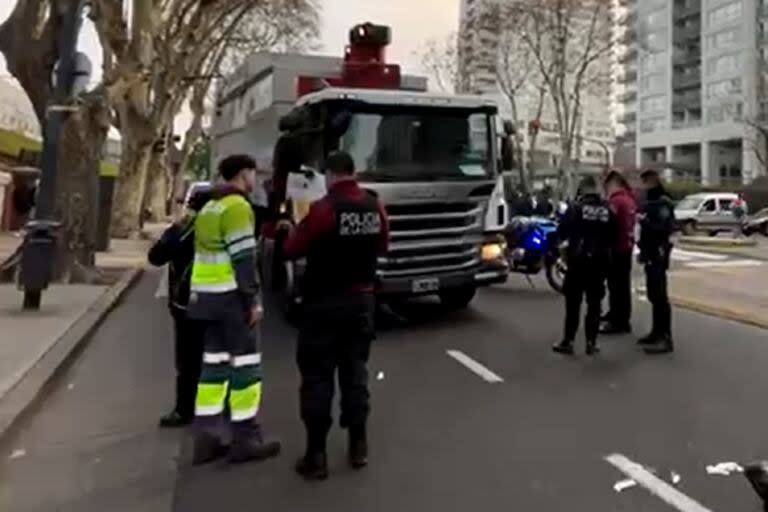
[655,485]
[484,373]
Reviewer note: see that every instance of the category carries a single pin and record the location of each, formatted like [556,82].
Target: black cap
[232,165]
[588,184]
[340,163]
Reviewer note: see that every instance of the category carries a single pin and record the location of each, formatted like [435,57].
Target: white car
[194,187]
[709,212]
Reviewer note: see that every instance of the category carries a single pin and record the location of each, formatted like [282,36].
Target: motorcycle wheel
[556,274]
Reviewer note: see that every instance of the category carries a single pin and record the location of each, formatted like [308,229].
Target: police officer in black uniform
[590,229]
[341,237]
[176,248]
[657,222]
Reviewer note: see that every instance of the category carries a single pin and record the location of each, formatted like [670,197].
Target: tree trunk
[77,193]
[568,187]
[156,194]
[130,187]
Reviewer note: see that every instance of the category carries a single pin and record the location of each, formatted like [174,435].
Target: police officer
[657,223]
[176,248]
[590,229]
[226,297]
[341,238]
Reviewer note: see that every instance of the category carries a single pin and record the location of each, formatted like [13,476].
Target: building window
[724,14]
[652,125]
[724,39]
[653,61]
[652,104]
[724,88]
[724,64]
[652,82]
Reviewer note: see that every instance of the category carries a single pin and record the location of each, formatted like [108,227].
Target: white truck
[431,158]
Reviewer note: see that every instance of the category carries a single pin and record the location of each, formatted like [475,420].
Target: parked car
[194,187]
[709,212]
[757,223]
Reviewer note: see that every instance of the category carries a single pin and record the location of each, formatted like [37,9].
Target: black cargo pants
[188,351]
[656,289]
[583,278]
[334,338]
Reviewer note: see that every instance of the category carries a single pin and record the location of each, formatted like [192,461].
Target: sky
[413,22]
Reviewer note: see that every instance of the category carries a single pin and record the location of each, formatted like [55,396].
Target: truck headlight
[492,251]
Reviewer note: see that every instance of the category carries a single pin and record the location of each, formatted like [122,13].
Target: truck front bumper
[487,273]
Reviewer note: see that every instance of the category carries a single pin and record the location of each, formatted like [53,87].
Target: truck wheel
[457,298]
[689,228]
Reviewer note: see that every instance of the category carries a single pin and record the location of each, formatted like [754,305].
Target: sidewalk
[34,344]
[735,293]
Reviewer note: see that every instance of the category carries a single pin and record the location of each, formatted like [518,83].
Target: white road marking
[723,264]
[699,255]
[654,485]
[484,373]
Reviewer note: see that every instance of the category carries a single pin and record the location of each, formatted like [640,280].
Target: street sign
[82,73]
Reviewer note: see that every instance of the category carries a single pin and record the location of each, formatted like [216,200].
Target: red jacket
[624,206]
[321,221]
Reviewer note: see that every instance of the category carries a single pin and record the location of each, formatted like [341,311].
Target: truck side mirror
[339,123]
[507,154]
[509,128]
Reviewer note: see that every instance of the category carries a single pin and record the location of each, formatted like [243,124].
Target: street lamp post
[40,240]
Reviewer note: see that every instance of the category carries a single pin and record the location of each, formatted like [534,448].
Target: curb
[720,312]
[22,399]
[717,242]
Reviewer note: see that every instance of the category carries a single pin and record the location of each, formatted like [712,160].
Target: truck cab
[431,159]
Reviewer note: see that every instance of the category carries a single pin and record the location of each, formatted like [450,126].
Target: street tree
[273,25]
[440,59]
[151,61]
[571,43]
[518,79]
[28,40]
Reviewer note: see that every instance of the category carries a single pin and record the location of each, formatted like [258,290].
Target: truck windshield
[414,144]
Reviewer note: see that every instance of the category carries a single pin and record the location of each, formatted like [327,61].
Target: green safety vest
[224,232]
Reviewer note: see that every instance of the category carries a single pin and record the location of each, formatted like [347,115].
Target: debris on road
[674,478]
[380,376]
[17,454]
[70,387]
[622,485]
[724,469]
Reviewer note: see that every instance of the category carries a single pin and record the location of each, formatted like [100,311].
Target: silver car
[709,213]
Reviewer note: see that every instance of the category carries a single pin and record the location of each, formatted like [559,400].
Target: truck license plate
[431,284]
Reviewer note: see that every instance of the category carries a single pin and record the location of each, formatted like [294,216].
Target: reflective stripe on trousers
[238,375]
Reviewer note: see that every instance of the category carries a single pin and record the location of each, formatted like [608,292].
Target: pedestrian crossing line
[656,486]
[723,264]
[686,255]
[477,368]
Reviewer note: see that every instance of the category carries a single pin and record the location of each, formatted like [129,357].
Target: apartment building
[480,44]
[698,69]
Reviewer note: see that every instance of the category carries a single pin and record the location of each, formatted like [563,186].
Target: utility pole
[40,241]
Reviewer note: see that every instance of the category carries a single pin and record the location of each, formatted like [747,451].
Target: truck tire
[457,298]
[689,228]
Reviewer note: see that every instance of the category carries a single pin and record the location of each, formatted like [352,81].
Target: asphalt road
[526,430]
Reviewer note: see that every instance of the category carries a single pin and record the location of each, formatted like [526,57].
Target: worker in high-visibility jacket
[226,296]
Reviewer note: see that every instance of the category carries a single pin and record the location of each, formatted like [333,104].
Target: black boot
[592,348]
[757,475]
[207,448]
[662,345]
[175,420]
[249,445]
[313,466]
[648,339]
[564,347]
[358,447]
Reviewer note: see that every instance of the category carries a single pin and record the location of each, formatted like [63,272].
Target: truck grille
[432,238]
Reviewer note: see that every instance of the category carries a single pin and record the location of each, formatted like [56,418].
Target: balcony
[685,34]
[630,55]
[628,77]
[686,101]
[628,96]
[685,58]
[680,13]
[628,118]
[687,80]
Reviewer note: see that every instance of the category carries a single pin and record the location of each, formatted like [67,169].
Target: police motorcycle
[532,245]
